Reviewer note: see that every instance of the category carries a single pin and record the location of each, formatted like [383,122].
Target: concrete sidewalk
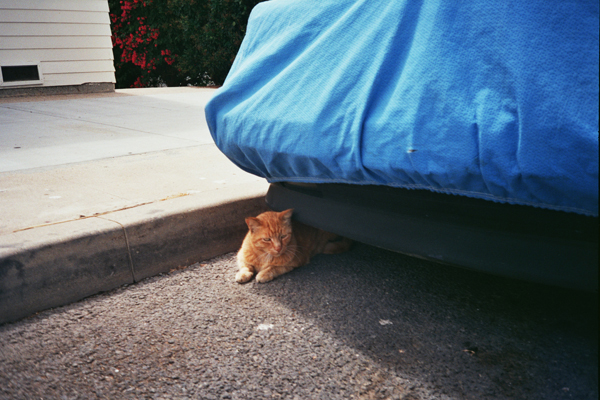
[101,190]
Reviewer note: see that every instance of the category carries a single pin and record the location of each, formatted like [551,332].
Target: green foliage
[176,42]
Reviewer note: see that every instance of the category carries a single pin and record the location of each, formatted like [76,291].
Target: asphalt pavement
[367,324]
[99,190]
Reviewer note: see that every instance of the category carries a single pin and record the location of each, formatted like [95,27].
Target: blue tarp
[489,99]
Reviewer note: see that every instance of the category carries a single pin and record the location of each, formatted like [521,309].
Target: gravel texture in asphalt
[367,324]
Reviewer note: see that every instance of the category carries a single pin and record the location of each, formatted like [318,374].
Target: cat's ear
[253,223]
[286,216]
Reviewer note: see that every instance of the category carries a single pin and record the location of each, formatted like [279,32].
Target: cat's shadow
[442,323]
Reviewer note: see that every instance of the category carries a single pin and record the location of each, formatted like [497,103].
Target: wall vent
[15,75]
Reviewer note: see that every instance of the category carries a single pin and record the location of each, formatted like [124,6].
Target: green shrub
[176,42]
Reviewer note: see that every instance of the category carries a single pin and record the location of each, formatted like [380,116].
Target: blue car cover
[489,99]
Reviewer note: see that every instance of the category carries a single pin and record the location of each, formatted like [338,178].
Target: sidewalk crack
[131,266]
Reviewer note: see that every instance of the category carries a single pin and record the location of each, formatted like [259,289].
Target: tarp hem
[456,192]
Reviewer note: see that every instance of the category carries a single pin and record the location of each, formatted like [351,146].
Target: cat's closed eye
[266,239]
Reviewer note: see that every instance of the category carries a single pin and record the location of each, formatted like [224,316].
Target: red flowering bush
[176,42]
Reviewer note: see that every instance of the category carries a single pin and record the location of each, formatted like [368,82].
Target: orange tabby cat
[275,245]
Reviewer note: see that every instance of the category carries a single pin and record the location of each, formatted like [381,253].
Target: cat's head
[271,231]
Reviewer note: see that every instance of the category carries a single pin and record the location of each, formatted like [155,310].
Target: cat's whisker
[294,251]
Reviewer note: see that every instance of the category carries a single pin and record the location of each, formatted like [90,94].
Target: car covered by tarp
[490,99]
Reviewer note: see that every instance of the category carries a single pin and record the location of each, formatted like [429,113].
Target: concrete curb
[53,265]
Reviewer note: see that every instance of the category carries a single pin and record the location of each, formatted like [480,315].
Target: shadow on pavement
[467,334]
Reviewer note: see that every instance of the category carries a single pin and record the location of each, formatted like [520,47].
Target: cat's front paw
[265,276]
[243,276]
